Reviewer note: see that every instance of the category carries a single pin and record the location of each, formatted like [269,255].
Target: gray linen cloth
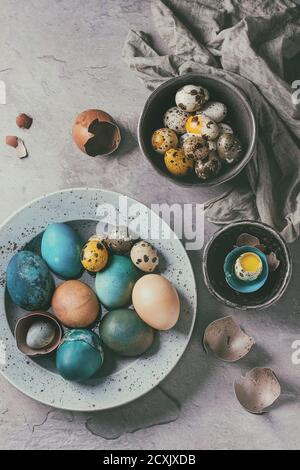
[248,43]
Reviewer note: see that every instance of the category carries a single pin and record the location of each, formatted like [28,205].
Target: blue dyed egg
[115,283]
[125,333]
[61,248]
[29,281]
[80,355]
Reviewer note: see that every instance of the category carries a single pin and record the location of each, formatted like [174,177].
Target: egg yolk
[250,262]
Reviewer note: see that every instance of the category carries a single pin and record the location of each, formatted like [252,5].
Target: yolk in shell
[250,262]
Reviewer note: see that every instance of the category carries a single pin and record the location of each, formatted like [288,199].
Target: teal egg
[125,333]
[29,282]
[115,283]
[79,356]
[61,248]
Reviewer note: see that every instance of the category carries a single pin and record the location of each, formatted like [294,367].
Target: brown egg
[156,301]
[96,133]
[75,304]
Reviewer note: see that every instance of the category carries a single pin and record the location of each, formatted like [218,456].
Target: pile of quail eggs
[66,316]
[194,138]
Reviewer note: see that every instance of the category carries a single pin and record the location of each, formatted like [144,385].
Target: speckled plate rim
[38,370]
[286,279]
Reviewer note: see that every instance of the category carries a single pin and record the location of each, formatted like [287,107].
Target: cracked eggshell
[229,147]
[195,148]
[144,256]
[208,167]
[202,125]
[273,261]
[164,139]
[175,119]
[215,110]
[227,340]
[257,390]
[12,141]
[246,239]
[96,133]
[24,121]
[31,338]
[191,98]
[225,128]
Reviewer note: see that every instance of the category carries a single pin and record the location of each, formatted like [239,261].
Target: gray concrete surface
[57,59]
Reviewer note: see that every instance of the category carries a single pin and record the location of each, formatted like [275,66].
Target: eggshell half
[156,301]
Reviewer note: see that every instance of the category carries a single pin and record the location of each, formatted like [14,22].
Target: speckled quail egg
[209,167]
[175,119]
[223,127]
[144,256]
[94,256]
[202,125]
[215,110]
[191,98]
[183,138]
[178,163]
[195,148]
[229,147]
[119,240]
[100,237]
[164,139]
[212,145]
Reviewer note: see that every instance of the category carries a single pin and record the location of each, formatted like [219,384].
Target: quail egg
[119,240]
[229,147]
[215,110]
[196,148]
[177,162]
[208,168]
[223,127]
[144,256]
[94,256]
[202,125]
[164,139]
[191,98]
[175,119]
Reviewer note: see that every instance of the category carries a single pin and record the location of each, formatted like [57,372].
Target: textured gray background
[58,58]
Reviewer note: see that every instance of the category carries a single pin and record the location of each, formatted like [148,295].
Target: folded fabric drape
[248,43]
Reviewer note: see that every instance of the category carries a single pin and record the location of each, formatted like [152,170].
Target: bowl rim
[238,168]
[286,278]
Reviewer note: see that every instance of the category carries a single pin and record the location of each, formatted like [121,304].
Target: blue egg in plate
[61,247]
[80,355]
[115,283]
[241,285]
[29,282]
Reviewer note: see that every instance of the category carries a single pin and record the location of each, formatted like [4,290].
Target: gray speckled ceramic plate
[120,380]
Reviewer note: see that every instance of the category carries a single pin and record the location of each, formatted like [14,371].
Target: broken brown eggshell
[245,239]
[24,121]
[23,325]
[11,140]
[96,133]
[258,390]
[225,338]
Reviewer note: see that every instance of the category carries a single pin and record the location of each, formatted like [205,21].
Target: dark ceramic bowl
[240,117]
[218,248]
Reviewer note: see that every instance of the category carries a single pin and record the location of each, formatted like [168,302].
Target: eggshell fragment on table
[24,121]
[225,338]
[11,140]
[257,390]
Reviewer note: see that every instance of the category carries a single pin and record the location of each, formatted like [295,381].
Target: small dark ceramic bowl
[218,248]
[240,117]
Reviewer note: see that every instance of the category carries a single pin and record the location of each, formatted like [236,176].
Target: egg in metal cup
[246,269]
